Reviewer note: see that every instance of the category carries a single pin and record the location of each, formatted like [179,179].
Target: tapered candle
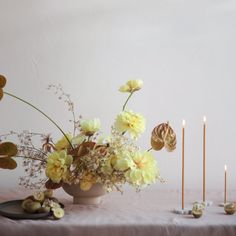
[225,186]
[204,161]
[183,134]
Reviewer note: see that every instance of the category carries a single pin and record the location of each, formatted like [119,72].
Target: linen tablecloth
[148,212]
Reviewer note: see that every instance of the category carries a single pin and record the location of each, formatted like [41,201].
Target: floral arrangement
[85,156]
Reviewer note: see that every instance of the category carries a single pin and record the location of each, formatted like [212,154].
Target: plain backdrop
[184,50]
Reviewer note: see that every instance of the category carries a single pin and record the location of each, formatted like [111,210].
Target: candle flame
[225,167]
[204,119]
[183,123]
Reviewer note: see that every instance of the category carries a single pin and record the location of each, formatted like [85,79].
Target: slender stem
[127,101]
[149,149]
[22,100]
[33,148]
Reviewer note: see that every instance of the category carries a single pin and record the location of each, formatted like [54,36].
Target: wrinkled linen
[149,212]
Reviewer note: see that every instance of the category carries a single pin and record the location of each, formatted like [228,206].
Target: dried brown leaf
[8,163]
[8,149]
[3,81]
[1,93]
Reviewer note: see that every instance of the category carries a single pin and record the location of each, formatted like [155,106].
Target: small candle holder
[185,211]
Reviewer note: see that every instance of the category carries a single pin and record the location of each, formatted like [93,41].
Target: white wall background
[184,51]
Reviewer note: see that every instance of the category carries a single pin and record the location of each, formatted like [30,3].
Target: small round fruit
[54,205]
[39,196]
[48,193]
[58,213]
[230,208]
[30,197]
[197,214]
[43,210]
[25,202]
[32,207]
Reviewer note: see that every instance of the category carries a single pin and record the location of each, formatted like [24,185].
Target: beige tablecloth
[132,214]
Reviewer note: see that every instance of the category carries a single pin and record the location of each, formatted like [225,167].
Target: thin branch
[22,100]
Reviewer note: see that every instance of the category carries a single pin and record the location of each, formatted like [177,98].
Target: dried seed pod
[163,136]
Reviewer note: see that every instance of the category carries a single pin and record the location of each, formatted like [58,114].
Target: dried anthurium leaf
[2,84]
[8,149]
[50,185]
[7,163]
[83,149]
[3,81]
[1,93]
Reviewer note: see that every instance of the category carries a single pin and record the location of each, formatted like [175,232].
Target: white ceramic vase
[91,197]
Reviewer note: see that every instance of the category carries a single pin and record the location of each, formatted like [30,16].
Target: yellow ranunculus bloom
[107,167]
[87,182]
[63,143]
[144,171]
[78,139]
[131,86]
[90,127]
[85,185]
[132,122]
[122,162]
[57,165]
[104,140]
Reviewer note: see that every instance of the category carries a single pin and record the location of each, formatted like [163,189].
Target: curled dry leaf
[7,150]
[2,84]
[82,149]
[3,81]
[163,136]
[7,163]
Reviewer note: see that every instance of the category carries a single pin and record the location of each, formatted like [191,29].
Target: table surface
[149,212]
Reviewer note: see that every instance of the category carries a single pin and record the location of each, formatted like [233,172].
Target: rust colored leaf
[83,149]
[3,81]
[8,163]
[8,149]
[50,185]
[1,93]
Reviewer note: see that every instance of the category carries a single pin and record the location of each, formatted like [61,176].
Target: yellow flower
[107,167]
[144,171]
[131,86]
[87,182]
[57,165]
[122,162]
[63,143]
[104,140]
[132,122]
[78,139]
[90,127]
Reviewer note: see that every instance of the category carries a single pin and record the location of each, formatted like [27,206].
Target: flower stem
[149,149]
[127,101]
[22,100]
